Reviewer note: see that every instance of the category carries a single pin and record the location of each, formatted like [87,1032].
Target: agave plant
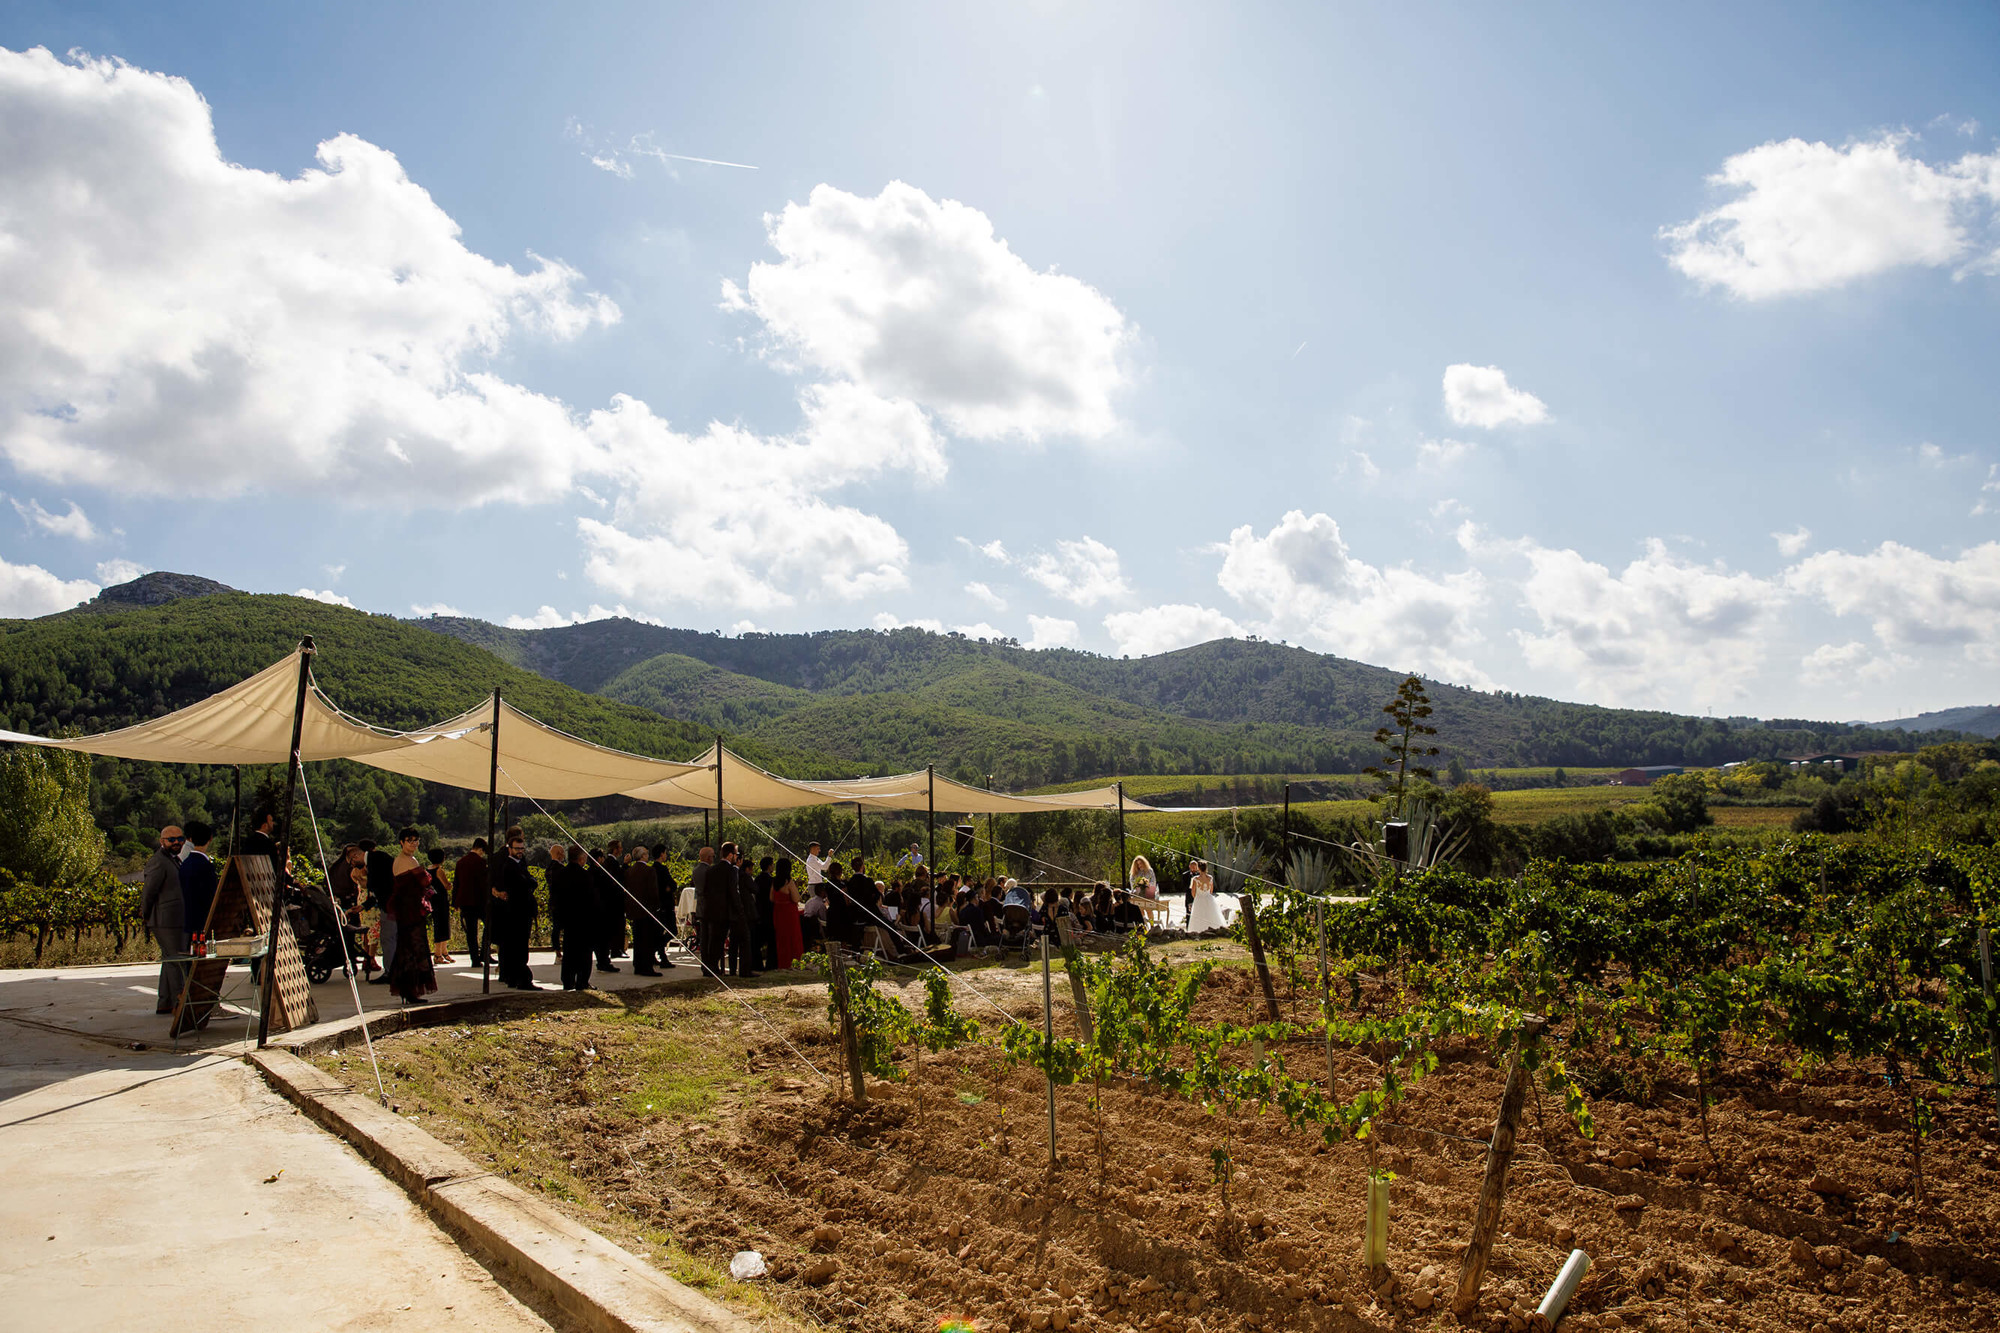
[1310,872]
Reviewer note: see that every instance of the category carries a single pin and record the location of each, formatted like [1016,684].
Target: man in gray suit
[160,907]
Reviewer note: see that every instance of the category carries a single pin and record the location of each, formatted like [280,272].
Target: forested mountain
[1979,720]
[162,643]
[906,697]
[835,703]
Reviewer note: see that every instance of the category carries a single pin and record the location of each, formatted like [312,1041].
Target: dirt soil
[680,1125]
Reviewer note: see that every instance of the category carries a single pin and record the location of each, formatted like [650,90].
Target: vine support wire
[841,889]
[729,990]
[340,929]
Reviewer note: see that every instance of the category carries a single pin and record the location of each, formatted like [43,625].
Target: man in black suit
[742,918]
[866,904]
[161,908]
[198,877]
[381,883]
[713,889]
[663,878]
[514,912]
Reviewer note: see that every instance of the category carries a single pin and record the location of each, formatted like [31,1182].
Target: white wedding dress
[1203,912]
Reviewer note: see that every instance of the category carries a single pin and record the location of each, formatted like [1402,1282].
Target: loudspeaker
[962,841]
[1396,840]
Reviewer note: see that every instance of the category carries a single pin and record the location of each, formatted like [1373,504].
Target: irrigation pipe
[340,929]
[575,841]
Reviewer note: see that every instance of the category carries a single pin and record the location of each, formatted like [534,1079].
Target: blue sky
[1642,357]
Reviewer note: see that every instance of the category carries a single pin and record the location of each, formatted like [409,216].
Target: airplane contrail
[706,161]
[1295,352]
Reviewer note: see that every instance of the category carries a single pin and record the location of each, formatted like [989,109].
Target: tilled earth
[683,1125]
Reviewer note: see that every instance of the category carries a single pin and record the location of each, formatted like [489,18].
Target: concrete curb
[566,1265]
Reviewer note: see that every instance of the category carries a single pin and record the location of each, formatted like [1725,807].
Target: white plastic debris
[746,1265]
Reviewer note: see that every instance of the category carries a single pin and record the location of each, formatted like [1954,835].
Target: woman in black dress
[410,972]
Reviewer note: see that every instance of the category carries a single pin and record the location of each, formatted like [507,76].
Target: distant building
[1840,763]
[1643,777]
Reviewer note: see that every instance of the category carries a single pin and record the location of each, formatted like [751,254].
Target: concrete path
[116,1002]
[133,1195]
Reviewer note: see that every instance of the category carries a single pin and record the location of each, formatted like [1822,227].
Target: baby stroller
[316,924]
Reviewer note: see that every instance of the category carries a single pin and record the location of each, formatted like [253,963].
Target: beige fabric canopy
[536,760]
[248,723]
[251,723]
[745,786]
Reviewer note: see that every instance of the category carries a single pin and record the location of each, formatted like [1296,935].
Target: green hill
[907,697]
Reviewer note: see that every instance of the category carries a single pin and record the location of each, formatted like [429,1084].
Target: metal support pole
[718,795]
[235,806]
[1048,1043]
[492,862]
[992,841]
[279,881]
[1325,1000]
[706,839]
[860,839]
[1285,829]
[1124,859]
[930,779]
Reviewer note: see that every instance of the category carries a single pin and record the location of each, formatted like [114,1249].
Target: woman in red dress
[791,945]
[410,972]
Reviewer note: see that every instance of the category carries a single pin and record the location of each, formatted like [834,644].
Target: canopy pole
[860,840]
[235,806]
[1285,829]
[1124,862]
[492,861]
[707,840]
[718,793]
[283,878]
[930,776]
[992,846]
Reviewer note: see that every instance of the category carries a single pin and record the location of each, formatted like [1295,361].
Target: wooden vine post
[1256,941]
[1326,1001]
[1078,992]
[1499,1154]
[1048,1041]
[850,1040]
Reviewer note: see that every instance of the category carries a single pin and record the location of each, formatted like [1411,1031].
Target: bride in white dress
[1203,912]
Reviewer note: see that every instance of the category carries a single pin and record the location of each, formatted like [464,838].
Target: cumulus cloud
[1846,663]
[30,590]
[177,320]
[75,523]
[1082,570]
[888,620]
[547,617]
[1806,217]
[1791,543]
[1480,396]
[1302,581]
[327,595]
[1914,601]
[435,609]
[986,596]
[120,570]
[1662,631]
[1051,632]
[917,298]
[1162,629]
[1443,455]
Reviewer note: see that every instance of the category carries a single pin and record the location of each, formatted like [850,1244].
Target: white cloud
[917,298]
[1052,632]
[1080,570]
[982,630]
[75,523]
[1808,216]
[1361,461]
[178,321]
[1480,396]
[547,617]
[30,590]
[985,595]
[1162,629]
[1662,631]
[728,518]
[120,570]
[1847,663]
[1303,581]
[1791,543]
[327,595]
[435,609]
[888,620]
[1442,455]
[1990,486]
[1914,601]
